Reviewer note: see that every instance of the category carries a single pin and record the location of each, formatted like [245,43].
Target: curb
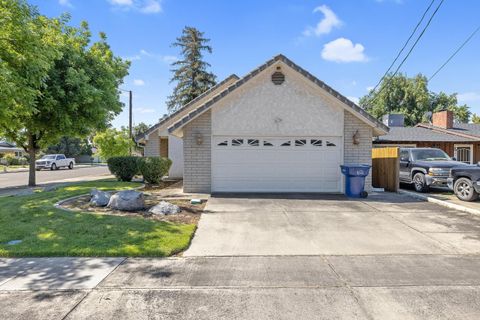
[440,202]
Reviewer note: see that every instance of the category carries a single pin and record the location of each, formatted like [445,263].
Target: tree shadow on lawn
[46,231]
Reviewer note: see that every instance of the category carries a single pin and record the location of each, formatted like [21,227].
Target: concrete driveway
[319,225]
[299,257]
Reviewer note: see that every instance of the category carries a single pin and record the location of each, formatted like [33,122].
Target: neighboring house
[278,129]
[10,148]
[459,140]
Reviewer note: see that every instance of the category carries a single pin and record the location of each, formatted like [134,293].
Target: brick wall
[197,157]
[358,153]
[152,147]
[443,119]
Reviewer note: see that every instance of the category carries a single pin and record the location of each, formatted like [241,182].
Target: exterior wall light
[356,137]
[199,138]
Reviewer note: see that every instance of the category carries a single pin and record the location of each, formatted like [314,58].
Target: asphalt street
[20,179]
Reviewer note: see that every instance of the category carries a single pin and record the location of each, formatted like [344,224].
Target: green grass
[47,231]
[2,167]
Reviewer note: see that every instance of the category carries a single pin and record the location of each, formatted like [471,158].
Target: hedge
[124,168]
[154,168]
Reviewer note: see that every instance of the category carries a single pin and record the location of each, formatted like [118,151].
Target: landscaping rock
[99,198]
[165,208]
[129,200]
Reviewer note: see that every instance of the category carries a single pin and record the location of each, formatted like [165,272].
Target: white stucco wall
[260,108]
[175,153]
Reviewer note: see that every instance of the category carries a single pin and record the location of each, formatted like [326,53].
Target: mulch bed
[190,214]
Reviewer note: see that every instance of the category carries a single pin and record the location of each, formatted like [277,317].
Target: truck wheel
[464,190]
[70,166]
[53,167]
[419,182]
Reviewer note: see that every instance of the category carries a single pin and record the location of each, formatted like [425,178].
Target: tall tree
[77,93]
[190,72]
[412,98]
[140,129]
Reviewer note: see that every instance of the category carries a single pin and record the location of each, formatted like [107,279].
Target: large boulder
[165,208]
[99,198]
[129,200]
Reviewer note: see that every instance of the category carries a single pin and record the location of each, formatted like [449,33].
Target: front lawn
[47,231]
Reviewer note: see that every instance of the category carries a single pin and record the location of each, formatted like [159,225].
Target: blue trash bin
[355,179]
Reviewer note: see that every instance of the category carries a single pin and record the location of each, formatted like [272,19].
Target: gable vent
[278,78]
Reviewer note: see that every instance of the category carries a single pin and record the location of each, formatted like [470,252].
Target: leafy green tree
[71,147]
[77,93]
[140,129]
[113,143]
[475,118]
[412,98]
[190,72]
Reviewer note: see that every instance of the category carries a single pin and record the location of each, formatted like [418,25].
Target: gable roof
[418,134]
[355,109]
[169,117]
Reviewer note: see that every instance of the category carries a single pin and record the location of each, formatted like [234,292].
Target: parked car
[425,167]
[54,162]
[465,182]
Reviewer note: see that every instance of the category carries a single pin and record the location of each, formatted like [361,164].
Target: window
[253,142]
[237,142]
[267,144]
[223,143]
[300,142]
[18,154]
[316,142]
[331,144]
[404,155]
[60,157]
[286,144]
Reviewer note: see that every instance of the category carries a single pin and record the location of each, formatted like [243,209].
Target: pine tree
[190,72]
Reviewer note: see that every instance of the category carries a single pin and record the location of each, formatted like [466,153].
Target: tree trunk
[31,153]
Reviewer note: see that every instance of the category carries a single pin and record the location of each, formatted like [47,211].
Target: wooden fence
[385,168]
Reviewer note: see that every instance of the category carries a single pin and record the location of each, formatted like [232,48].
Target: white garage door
[256,164]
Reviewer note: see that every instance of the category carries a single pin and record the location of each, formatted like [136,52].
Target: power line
[411,49]
[455,53]
[404,46]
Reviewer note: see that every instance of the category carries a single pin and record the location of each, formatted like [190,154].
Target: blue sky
[347,44]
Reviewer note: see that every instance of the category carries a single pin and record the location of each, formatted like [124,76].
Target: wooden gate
[385,168]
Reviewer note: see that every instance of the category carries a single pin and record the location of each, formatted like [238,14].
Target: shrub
[11,160]
[154,168]
[124,168]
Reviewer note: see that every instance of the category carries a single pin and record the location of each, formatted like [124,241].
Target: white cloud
[468,97]
[325,26]
[343,50]
[143,6]
[144,110]
[121,2]
[353,99]
[138,82]
[65,3]
[151,6]
[168,59]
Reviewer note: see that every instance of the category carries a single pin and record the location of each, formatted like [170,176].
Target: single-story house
[10,148]
[459,140]
[277,129]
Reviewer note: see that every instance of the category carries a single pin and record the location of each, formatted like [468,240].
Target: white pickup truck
[54,162]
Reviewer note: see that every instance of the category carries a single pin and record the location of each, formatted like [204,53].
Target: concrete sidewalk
[292,287]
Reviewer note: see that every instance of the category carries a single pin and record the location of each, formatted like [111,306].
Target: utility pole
[130,117]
